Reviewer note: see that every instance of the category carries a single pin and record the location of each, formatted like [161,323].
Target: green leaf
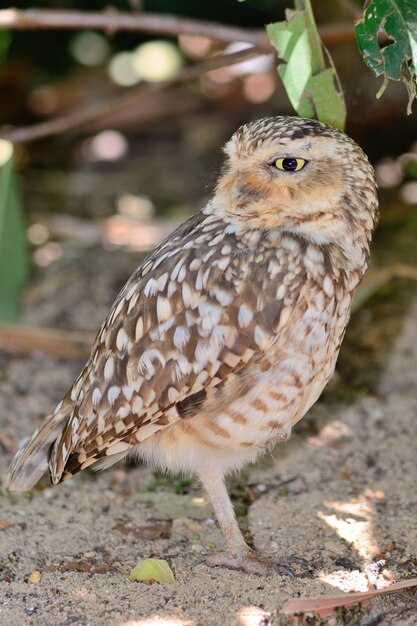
[5,41]
[152,570]
[312,88]
[12,237]
[397,60]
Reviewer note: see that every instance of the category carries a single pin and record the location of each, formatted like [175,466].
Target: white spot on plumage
[186,294]
[109,368]
[137,405]
[245,316]
[112,394]
[274,268]
[202,377]
[128,392]
[222,296]
[222,263]
[151,288]
[175,271]
[182,274]
[195,264]
[261,338]
[130,293]
[219,335]
[163,308]
[281,292]
[315,255]
[181,337]
[146,366]
[121,339]
[139,328]
[172,288]
[169,323]
[146,268]
[132,303]
[172,394]
[210,315]
[289,243]
[182,368]
[117,310]
[96,396]
[122,412]
[328,286]
[208,256]
[162,281]
[217,239]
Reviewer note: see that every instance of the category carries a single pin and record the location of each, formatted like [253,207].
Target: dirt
[336,506]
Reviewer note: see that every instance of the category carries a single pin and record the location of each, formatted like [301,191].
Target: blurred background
[98,196]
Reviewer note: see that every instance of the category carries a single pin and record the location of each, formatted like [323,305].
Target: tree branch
[169,25]
[60,343]
[81,117]
[114,21]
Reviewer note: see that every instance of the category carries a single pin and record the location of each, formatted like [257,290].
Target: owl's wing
[190,321]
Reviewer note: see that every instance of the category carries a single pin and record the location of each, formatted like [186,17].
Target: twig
[114,21]
[169,25]
[60,343]
[81,117]
[8,444]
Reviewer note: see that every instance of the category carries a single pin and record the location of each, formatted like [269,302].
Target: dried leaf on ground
[327,605]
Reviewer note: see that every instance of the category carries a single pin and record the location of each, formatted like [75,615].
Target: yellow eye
[290,164]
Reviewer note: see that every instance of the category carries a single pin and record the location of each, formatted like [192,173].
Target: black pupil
[289,164]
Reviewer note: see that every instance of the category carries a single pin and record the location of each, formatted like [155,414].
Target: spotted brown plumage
[227,333]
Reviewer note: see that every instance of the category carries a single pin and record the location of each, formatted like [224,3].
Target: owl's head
[301,176]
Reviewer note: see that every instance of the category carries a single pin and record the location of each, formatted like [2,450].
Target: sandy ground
[337,505]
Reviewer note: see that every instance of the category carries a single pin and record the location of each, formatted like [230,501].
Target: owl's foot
[248,562]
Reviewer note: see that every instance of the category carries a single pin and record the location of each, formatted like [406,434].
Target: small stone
[80,592]
[35,577]
[197,547]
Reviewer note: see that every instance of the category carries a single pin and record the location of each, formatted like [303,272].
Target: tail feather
[31,461]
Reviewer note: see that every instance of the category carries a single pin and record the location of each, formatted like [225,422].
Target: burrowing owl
[227,333]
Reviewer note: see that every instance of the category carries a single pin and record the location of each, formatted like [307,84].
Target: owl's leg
[237,555]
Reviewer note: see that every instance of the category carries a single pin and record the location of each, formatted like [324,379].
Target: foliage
[397,60]
[12,237]
[152,571]
[312,88]
[5,41]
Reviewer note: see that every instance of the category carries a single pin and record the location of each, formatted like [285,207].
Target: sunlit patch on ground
[354,523]
[156,620]
[253,616]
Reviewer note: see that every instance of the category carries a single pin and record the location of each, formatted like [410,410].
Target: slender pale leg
[237,555]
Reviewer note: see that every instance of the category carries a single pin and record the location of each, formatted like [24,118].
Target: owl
[227,333]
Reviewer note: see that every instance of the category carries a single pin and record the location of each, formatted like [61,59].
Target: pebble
[35,577]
